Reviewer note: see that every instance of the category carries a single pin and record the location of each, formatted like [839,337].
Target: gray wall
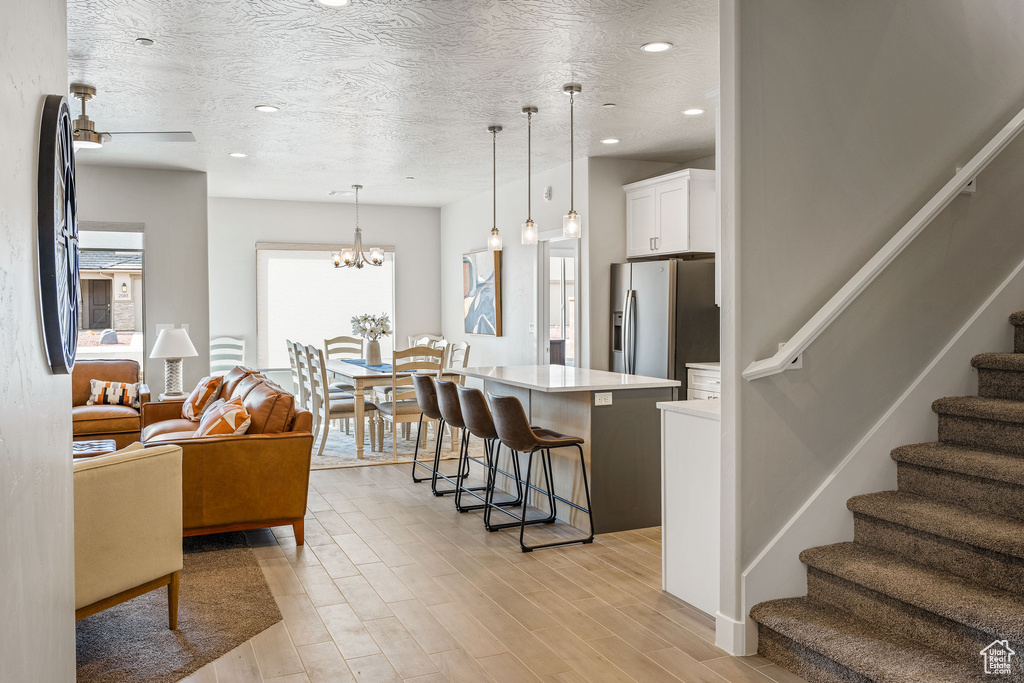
[172,204]
[37,631]
[851,116]
[236,225]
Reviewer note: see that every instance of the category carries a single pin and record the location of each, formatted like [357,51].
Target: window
[301,296]
[110,305]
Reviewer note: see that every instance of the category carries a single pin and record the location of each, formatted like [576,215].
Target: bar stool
[426,401]
[451,411]
[480,424]
[516,434]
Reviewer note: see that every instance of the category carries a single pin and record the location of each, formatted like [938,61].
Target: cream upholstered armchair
[127,527]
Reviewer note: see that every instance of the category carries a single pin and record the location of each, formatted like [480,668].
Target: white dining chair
[226,353]
[337,407]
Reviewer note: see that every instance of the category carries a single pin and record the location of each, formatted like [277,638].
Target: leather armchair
[127,527]
[120,423]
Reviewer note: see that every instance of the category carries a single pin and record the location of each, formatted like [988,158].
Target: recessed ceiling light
[238,155]
[657,46]
[409,177]
[267,108]
[608,105]
[610,141]
[333,3]
[693,112]
[144,41]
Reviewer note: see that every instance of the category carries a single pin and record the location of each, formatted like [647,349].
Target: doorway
[558,269]
[111,309]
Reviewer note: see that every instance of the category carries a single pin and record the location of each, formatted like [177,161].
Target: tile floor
[394,585]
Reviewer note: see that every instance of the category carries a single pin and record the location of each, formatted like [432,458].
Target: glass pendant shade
[336,258]
[530,232]
[347,256]
[572,225]
[494,240]
[377,256]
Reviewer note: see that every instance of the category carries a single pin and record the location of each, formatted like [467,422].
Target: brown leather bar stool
[451,411]
[480,424]
[515,432]
[426,400]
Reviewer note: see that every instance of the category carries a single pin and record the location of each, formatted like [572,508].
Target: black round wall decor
[58,235]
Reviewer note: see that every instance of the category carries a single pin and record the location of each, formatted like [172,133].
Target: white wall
[236,225]
[172,205]
[848,118]
[37,632]
[600,200]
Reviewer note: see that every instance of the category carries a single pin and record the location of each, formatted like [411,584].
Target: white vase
[373,352]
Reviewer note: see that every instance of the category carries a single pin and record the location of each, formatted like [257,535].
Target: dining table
[362,378]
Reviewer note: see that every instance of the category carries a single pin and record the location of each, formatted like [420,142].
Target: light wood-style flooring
[394,585]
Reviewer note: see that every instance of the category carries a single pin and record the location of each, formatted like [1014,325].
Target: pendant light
[530,231]
[494,239]
[572,223]
[353,257]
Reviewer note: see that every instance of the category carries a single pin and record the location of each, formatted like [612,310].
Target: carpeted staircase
[935,572]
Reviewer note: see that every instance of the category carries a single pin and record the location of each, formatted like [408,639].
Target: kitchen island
[616,414]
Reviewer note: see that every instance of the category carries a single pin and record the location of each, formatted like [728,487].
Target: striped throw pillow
[200,398]
[113,394]
[224,418]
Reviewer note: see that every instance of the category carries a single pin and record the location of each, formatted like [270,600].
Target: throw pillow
[113,394]
[200,398]
[227,418]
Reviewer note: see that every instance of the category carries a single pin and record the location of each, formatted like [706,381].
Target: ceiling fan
[86,137]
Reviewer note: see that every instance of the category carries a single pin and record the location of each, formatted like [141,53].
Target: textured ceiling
[383,89]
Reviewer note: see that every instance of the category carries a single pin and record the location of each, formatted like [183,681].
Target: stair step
[983,423]
[1017,320]
[1000,375]
[986,481]
[945,612]
[856,649]
[984,547]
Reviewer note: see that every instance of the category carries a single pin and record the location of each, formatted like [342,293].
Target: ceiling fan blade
[153,136]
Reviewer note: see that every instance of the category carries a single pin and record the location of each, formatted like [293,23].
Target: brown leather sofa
[90,423]
[255,480]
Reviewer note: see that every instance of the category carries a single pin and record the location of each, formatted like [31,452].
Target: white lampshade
[173,343]
[530,232]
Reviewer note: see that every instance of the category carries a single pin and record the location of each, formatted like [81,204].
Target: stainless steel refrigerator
[663,317]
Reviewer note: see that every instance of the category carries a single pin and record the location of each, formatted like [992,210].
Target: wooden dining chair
[458,357]
[341,348]
[337,407]
[402,407]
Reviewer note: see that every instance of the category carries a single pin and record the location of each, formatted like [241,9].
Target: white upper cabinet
[671,214]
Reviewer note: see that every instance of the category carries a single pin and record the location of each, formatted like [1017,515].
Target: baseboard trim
[738,638]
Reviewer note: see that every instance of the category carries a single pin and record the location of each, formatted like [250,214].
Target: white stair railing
[783,360]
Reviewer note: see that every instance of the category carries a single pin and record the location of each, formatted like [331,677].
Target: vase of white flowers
[372,328]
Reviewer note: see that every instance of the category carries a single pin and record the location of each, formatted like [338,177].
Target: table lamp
[172,345]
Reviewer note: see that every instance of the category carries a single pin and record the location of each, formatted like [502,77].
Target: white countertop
[560,378]
[705,366]
[710,408]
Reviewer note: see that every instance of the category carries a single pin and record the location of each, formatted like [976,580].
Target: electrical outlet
[603,399]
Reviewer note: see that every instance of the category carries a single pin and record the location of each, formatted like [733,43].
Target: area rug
[223,601]
[340,450]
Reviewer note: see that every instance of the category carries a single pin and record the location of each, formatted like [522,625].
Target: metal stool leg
[552,497]
[415,453]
